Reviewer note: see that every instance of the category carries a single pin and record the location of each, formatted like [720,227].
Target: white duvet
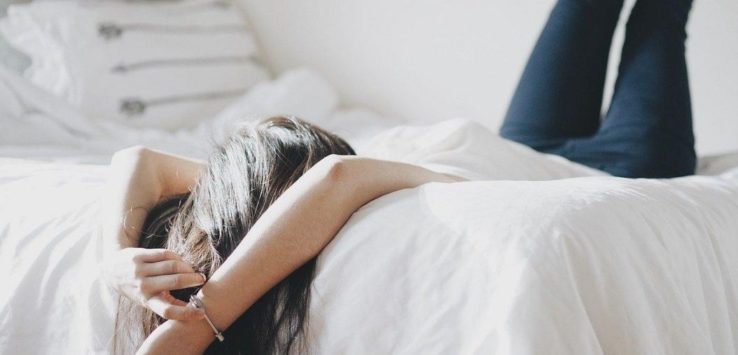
[542,256]
[589,264]
[580,266]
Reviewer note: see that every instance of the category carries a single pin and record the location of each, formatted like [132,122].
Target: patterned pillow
[165,65]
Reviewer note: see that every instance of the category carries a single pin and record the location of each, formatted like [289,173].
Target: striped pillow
[164,65]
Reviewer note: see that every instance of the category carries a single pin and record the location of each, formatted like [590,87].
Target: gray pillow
[11,58]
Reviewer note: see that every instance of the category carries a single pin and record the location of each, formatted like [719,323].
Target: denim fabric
[556,108]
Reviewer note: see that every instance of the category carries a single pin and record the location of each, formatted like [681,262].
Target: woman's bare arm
[293,230]
[139,178]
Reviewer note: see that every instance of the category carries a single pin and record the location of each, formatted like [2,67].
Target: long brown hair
[243,178]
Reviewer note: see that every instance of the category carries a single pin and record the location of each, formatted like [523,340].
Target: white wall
[435,59]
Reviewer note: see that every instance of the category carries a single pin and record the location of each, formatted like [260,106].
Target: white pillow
[162,65]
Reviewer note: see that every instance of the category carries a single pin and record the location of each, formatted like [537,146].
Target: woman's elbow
[134,154]
[334,169]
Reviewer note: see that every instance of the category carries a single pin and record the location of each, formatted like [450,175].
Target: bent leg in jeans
[647,131]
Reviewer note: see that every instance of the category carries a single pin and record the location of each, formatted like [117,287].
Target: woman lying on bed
[242,231]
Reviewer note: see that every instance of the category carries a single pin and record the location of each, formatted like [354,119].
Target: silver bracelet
[197,303]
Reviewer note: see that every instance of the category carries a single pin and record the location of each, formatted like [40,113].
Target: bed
[536,255]
[585,264]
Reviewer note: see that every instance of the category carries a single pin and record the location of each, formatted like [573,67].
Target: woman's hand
[139,178]
[147,275]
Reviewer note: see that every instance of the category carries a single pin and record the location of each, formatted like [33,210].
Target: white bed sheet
[588,264]
[583,264]
[575,266]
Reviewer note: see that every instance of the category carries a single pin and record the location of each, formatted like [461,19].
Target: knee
[517,135]
[545,144]
[653,160]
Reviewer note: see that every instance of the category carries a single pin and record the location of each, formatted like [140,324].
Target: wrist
[198,333]
[177,337]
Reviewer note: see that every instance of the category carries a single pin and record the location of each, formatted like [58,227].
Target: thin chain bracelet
[197,303]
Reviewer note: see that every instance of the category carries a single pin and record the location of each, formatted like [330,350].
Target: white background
[437,59]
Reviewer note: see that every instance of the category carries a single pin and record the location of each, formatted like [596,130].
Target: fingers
[165,267]
[166,296]
[163,306]
[164,283]
[154,255]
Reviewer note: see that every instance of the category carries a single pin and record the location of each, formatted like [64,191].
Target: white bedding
[37,125]
[589,264]
[583,264]
[580,266]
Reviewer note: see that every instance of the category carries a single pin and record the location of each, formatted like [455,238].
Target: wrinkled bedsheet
[540,255]
[576,262]
[577,266]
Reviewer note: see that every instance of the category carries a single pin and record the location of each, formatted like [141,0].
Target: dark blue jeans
[556,108]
